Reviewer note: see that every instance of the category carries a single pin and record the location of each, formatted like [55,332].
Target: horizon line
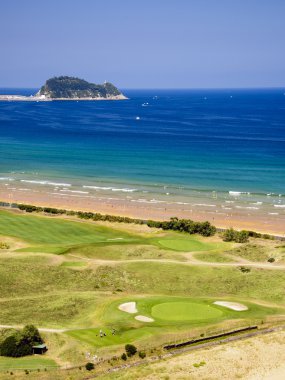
[172,88]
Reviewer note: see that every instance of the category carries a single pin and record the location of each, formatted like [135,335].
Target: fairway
[28,362]
[184,311]
[39,229]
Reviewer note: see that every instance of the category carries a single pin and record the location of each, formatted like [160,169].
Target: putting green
[184,311]
[186,245]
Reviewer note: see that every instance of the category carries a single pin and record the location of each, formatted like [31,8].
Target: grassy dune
[74,275]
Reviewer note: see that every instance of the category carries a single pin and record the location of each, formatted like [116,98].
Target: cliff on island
[65,87]
[70,88]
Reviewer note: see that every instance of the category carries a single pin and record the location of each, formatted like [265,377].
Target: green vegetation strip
[28,362]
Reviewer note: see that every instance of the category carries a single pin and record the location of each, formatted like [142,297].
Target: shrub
[271,260]
[197,365]
[237,236]
[131,350]
[89,366]
[229,235]
[244,269]
[4,245]
[142,354]
[124,357]
[241,236]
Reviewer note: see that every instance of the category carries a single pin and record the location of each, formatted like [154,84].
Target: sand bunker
[232,305]
[142,318]
[128,307]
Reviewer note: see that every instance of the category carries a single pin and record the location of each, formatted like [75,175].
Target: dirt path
[191,261]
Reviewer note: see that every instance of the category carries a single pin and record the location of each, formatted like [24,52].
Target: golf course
[93,287]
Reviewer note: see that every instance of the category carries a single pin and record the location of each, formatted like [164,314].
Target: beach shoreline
[121,207]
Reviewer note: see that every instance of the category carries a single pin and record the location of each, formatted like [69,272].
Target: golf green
[184,311]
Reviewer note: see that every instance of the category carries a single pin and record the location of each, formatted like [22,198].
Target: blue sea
[180,144]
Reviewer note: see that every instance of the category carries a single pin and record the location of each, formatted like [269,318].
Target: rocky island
[70,88]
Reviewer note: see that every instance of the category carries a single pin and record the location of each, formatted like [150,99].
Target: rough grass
[214,257]
[123,252]
[56,310]
[251,252]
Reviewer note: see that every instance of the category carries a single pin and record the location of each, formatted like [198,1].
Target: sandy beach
[239,218]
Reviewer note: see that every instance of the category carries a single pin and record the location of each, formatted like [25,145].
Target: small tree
[131,350]
[229,235]
[142,354]
[124,357]
[241,237]
[89,366]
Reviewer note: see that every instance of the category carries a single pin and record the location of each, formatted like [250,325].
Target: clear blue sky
[144,43]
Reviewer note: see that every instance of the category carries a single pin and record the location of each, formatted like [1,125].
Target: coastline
[121,207]
[23,98]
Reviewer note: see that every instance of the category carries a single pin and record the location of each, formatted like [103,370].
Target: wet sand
[238,218]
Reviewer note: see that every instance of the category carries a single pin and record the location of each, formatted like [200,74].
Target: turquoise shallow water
[164,143]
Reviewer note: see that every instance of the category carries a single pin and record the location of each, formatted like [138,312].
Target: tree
[13,348]
[31,335]
[130,349]
[124,357]
[20,343]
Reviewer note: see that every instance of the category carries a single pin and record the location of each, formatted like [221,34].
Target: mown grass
[29,362]
[39,229]
[128,329]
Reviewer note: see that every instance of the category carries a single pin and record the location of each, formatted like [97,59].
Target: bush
[124,357]
[142,354]
[185,225]
[89,366]
[197,365]
[229,235]
[237,236]
[4,245]
[271,260]
[131,350]
[244,269]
